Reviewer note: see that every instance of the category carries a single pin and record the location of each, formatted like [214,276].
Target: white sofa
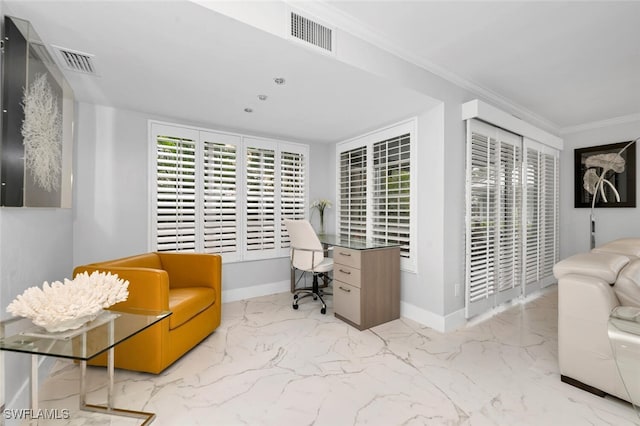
[590,286]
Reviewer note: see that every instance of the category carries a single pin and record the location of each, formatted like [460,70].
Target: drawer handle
[345,289]
[345,254]
[345,272]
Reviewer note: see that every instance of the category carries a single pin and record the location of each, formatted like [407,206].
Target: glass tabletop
[107,330]
[353,243]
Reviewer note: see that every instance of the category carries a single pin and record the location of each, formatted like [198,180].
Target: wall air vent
[76,61]
[311,32]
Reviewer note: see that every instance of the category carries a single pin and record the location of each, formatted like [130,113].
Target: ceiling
[568,63]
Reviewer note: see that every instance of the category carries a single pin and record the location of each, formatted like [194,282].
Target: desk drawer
[346,301]
[346,274]
[347,257]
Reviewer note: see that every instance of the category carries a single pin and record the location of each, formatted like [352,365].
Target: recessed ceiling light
[279,80]
[262,97]
[248,110]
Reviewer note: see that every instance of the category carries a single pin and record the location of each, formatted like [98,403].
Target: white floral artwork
[42,134]
[594,183]
[63,306]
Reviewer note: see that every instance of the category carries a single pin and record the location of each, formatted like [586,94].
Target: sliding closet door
[494,237]
[541,167]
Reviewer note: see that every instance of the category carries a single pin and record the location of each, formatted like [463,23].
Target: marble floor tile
[268,364]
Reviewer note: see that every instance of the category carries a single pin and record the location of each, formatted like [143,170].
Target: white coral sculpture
[42,134]
[56,306]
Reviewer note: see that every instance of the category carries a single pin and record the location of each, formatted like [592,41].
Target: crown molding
[624,119]
[345,22]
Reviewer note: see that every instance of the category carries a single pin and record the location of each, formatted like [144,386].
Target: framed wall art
[36,142]
[606,173]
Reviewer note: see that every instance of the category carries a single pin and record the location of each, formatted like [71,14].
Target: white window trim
[244,141]
[410,126]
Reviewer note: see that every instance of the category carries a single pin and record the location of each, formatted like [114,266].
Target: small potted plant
[320,205]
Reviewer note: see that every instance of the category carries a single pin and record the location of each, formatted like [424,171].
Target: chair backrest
[306,249]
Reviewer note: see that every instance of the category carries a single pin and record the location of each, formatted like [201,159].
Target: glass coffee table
[102,334]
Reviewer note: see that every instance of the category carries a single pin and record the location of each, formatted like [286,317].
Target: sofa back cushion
[629,247]
[627,287]
[605,266]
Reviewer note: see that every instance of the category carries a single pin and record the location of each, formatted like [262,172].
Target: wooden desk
[366,281]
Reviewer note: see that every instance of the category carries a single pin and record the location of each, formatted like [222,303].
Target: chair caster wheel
[323,311]
[315,297]
[295,296]
[295,306]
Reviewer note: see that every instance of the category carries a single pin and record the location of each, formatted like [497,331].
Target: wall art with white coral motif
[42,134]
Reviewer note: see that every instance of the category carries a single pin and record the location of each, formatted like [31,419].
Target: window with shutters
[224,193]
[375,186]
[292,190]
[260,208]
[392,192]
[542,214]
[511,215]
[176,193]
[219,198]
[353,192]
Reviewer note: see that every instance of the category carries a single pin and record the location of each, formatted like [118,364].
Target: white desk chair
[307,254]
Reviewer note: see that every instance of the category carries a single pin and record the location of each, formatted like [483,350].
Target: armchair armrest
[148,288]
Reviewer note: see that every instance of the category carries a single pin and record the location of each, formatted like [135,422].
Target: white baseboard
[440,323]
[235,294]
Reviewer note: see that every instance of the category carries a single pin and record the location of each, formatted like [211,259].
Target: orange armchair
[187,284]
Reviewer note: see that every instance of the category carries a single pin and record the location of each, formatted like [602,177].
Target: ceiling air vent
[76,61]
[311,32]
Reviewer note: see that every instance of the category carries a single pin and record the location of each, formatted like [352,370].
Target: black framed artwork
[36,129]
[606,172]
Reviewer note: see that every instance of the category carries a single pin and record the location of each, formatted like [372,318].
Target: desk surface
[353,243]
[28,338]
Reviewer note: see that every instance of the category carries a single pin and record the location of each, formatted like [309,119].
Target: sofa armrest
[193,270]
[148,288]
[584,350]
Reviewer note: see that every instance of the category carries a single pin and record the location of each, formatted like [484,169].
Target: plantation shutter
[175,197]
[224,193]
[494,199]
[391,192]
[220,194]
[260,222]
[293,203]
[542,214]
[353,193]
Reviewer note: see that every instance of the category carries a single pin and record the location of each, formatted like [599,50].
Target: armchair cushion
[186,303]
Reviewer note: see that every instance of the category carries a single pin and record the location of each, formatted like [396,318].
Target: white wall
[611,223]
[35,246]
[111,199]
